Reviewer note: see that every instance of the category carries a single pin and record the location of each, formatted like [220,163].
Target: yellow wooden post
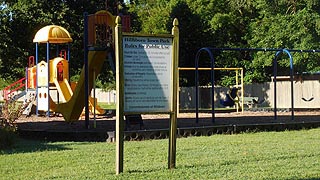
[120,95]
[173,114]
[242,93]
[237,85]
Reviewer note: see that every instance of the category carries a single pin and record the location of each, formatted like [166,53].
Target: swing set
[209,51]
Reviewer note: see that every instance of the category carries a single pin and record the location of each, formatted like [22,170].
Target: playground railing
[13,88]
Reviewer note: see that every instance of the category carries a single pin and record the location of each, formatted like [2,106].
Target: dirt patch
[162,121]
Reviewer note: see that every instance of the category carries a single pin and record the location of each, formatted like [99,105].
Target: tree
[295,28]
[240,23]
[203,23]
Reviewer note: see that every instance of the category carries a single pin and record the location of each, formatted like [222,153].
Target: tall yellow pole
[173,114]
[242,92]
[237,85]
[120,95]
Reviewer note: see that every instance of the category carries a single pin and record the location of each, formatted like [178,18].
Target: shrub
[11,111]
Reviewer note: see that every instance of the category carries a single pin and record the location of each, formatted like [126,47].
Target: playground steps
[31,99]
[18,96]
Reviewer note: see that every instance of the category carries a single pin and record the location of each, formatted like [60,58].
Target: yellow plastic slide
[99,110]
[64,89]
[92,100]
[74,101]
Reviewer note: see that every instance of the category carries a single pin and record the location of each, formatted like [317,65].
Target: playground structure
[52,74]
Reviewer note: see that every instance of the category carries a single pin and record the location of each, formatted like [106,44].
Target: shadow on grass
[27,146]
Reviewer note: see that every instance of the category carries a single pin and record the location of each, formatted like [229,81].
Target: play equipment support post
[275,82]
[86,86]
[57,50]
[94,99]
[69,60]
[197,83]
[48,69]
[27,79]
[37,111]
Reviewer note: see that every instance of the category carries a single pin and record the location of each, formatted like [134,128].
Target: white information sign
[147,73]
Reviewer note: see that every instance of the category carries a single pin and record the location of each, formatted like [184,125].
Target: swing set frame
[209,51]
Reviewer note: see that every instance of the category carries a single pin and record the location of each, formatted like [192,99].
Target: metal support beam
[86,70]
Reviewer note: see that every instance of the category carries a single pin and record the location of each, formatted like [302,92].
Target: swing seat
[230,98]
[307,100]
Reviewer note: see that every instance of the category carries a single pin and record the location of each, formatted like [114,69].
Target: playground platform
[157,126]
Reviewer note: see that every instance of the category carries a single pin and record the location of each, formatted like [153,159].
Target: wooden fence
[306,95]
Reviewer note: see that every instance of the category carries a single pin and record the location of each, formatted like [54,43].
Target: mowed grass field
[264,155]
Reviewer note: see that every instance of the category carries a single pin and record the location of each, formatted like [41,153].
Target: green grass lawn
[265,155]
[107,105]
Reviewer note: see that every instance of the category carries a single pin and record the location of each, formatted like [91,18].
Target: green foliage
[10,112]
[3,83]
[75,78]
[217,23]
[152,16]
[107,86]
[188,41]
[202,23]
[294,31]
[106,79]
[265,155]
